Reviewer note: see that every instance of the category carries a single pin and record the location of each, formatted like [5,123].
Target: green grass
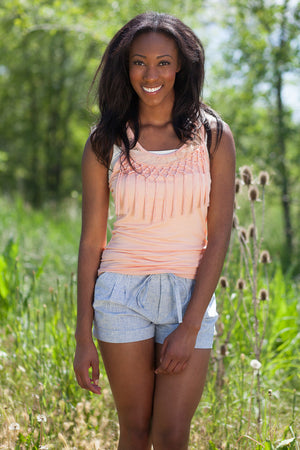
[38,255]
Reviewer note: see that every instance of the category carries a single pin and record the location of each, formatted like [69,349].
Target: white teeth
[151,89]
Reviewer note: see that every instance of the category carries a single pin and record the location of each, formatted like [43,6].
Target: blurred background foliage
[49,51]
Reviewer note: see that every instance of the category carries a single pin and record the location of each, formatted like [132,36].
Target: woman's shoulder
[219,130]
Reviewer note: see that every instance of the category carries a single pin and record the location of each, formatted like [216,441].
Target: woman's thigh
[176,398]
[130,370]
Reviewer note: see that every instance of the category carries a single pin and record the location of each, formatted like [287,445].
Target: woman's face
[153,64]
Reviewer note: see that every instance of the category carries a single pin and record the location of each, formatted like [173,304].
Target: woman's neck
[159,115]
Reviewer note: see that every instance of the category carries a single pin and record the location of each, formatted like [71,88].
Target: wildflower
[235,222]
[241,284]
[14,427]
[255,364]
[242,235]
[21,369]
[223,282]
[263,178]
[41,418]
[242,356]
[265,257]
[251,231]
[263,295]
[246,175]
[237,185]
[253,194]
[43,447]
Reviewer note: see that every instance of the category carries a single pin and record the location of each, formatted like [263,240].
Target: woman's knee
[175,437]
[135,433]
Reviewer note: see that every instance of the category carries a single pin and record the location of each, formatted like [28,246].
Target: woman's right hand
[86,356]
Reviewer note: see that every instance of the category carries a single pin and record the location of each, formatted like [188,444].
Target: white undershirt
[163,152]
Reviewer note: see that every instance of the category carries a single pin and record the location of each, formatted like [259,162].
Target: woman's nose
[150,73]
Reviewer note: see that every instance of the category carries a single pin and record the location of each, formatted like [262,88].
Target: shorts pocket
[106,285]
[211,310]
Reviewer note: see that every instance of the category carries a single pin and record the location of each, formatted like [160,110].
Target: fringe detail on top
[166,188]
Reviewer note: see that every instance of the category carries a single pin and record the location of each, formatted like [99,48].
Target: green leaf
[268,445]
[286,443]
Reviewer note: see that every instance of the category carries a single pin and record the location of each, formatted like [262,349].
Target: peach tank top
[161,210]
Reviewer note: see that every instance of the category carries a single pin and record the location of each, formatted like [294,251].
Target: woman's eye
[164,63]
[138,63]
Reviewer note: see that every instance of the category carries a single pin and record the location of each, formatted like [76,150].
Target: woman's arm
[179,345]
[95,200]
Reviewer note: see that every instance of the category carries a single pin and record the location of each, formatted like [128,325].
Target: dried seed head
[241,284]
[270,392]
[223,350]
[255,364]
[223,282]
[253,193]
[220,328]
[263,295]
[41,418]
[246,175]
[263,178]
[242,235]
[251,231]
[14,426]
[235,222]
[238,185]
[243,356]
[265,257]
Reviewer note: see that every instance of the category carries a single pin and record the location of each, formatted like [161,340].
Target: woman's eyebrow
[143,56]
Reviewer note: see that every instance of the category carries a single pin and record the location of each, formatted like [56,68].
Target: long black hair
[119,103]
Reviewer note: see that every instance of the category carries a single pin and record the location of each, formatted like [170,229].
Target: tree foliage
[263,49]
[49,52]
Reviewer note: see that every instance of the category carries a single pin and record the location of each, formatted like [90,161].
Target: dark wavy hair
[119,103]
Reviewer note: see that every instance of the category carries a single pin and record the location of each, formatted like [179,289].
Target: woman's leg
[130,370]
[176,398]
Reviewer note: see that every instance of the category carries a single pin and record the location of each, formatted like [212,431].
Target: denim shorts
[130,308]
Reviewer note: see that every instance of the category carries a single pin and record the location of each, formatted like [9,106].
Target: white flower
[14,427]
[256,365]
[41,418]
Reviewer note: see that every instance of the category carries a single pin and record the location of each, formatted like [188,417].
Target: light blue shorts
[130,308]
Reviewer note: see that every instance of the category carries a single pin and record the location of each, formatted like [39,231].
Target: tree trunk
[282,168]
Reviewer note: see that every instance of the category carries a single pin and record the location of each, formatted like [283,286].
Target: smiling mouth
[150,90]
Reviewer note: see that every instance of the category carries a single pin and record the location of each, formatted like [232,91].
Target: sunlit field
[251,400]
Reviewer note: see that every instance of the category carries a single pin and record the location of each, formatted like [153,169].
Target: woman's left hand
[176,350]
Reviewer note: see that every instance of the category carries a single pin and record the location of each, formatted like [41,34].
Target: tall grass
[251,396]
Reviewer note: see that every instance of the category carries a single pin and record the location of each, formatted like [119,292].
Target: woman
[169,162]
